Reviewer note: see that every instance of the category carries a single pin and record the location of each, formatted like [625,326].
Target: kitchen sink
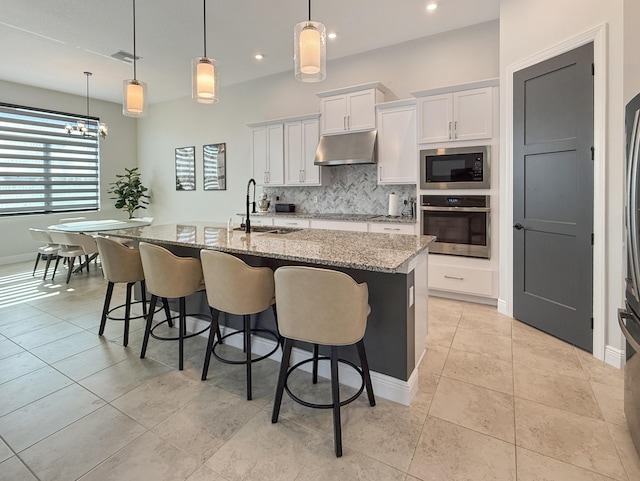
[265,229]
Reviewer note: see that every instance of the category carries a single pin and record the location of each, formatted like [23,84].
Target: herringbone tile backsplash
[347,189]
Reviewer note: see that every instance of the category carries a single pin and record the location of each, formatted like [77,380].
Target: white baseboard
[614,356]
[463,297]
[502,307]
[19,258]
[384,386]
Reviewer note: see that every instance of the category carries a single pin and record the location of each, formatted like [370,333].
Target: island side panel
[390,337]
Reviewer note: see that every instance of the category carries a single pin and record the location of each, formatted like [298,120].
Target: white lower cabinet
[389,228]
[290,222]
[339,225]
[464,280]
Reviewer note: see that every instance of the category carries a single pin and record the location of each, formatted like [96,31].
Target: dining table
[92,227]
[100,225]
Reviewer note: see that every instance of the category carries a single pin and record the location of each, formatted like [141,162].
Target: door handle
[519,226]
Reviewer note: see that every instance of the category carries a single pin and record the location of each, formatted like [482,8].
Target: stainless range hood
[346,149]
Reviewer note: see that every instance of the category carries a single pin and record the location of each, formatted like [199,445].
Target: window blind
[43,169]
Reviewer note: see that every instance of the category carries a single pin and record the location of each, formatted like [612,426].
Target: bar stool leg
[282,378]
[365,371]
[335,394]
[166,311]
[247,348]
[105,309]
[275,317]
[215,328]
[315,364]
[143,289]
[127,314]
[147,329]
[181,330]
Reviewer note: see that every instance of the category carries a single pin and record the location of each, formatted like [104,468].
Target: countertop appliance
[455,168]
[629,318]
[461,224]
[285,207]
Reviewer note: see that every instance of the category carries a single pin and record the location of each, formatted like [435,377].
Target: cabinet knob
[449,130]
[344,123]
[455,129]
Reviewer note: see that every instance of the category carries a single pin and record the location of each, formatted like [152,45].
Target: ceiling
[50,43]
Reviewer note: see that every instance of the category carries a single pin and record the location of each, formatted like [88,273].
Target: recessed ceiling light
[431,6]
[332,35]
[259,56]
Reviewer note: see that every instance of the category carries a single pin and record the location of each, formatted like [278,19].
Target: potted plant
[129,191]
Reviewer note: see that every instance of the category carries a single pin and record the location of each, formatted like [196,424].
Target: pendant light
[81,126]
[134,92]
[310,50]
[204,85]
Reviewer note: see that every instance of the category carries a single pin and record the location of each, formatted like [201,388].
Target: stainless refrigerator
[629,318]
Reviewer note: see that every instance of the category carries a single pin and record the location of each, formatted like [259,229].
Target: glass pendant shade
[310,51]
[205,80]
[135,98]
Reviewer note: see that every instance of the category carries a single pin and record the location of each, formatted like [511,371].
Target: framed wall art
[214,166]
[186,168]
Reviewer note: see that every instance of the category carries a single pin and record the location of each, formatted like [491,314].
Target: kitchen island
[393,265]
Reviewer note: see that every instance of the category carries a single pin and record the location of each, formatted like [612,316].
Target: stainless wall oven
[455,168]
[460,223]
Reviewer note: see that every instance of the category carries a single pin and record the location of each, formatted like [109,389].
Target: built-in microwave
[455,168]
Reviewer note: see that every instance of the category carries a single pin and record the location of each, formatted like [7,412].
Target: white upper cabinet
[267,152]
[465,114]
[300,143]
[397,146]
[350,109]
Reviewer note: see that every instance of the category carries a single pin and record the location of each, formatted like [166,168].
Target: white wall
[455,57]
[631,49]
[117,151]
[528,27]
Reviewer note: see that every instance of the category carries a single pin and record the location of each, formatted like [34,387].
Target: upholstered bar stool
[168,276]
[121,264]
[47,252]
[236,288]
[328,308]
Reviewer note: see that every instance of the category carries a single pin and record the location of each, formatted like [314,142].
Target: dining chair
[47,252]
[73,245]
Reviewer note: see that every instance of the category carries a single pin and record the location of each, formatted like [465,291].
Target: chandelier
[82,126]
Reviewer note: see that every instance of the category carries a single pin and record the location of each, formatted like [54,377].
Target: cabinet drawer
[291,222]
[386,228]
[261,220]
[461,279]
[339,225]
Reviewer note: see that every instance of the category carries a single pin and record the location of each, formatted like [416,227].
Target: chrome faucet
[247,222]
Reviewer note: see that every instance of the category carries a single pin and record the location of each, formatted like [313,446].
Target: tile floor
[497,401]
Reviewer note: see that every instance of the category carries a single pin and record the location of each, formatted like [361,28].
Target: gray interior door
[553,196]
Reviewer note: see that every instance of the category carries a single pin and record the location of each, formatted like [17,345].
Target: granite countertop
[339,217]
[388,253]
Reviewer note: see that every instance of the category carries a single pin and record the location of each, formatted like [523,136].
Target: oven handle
[455,209]
[623,315]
